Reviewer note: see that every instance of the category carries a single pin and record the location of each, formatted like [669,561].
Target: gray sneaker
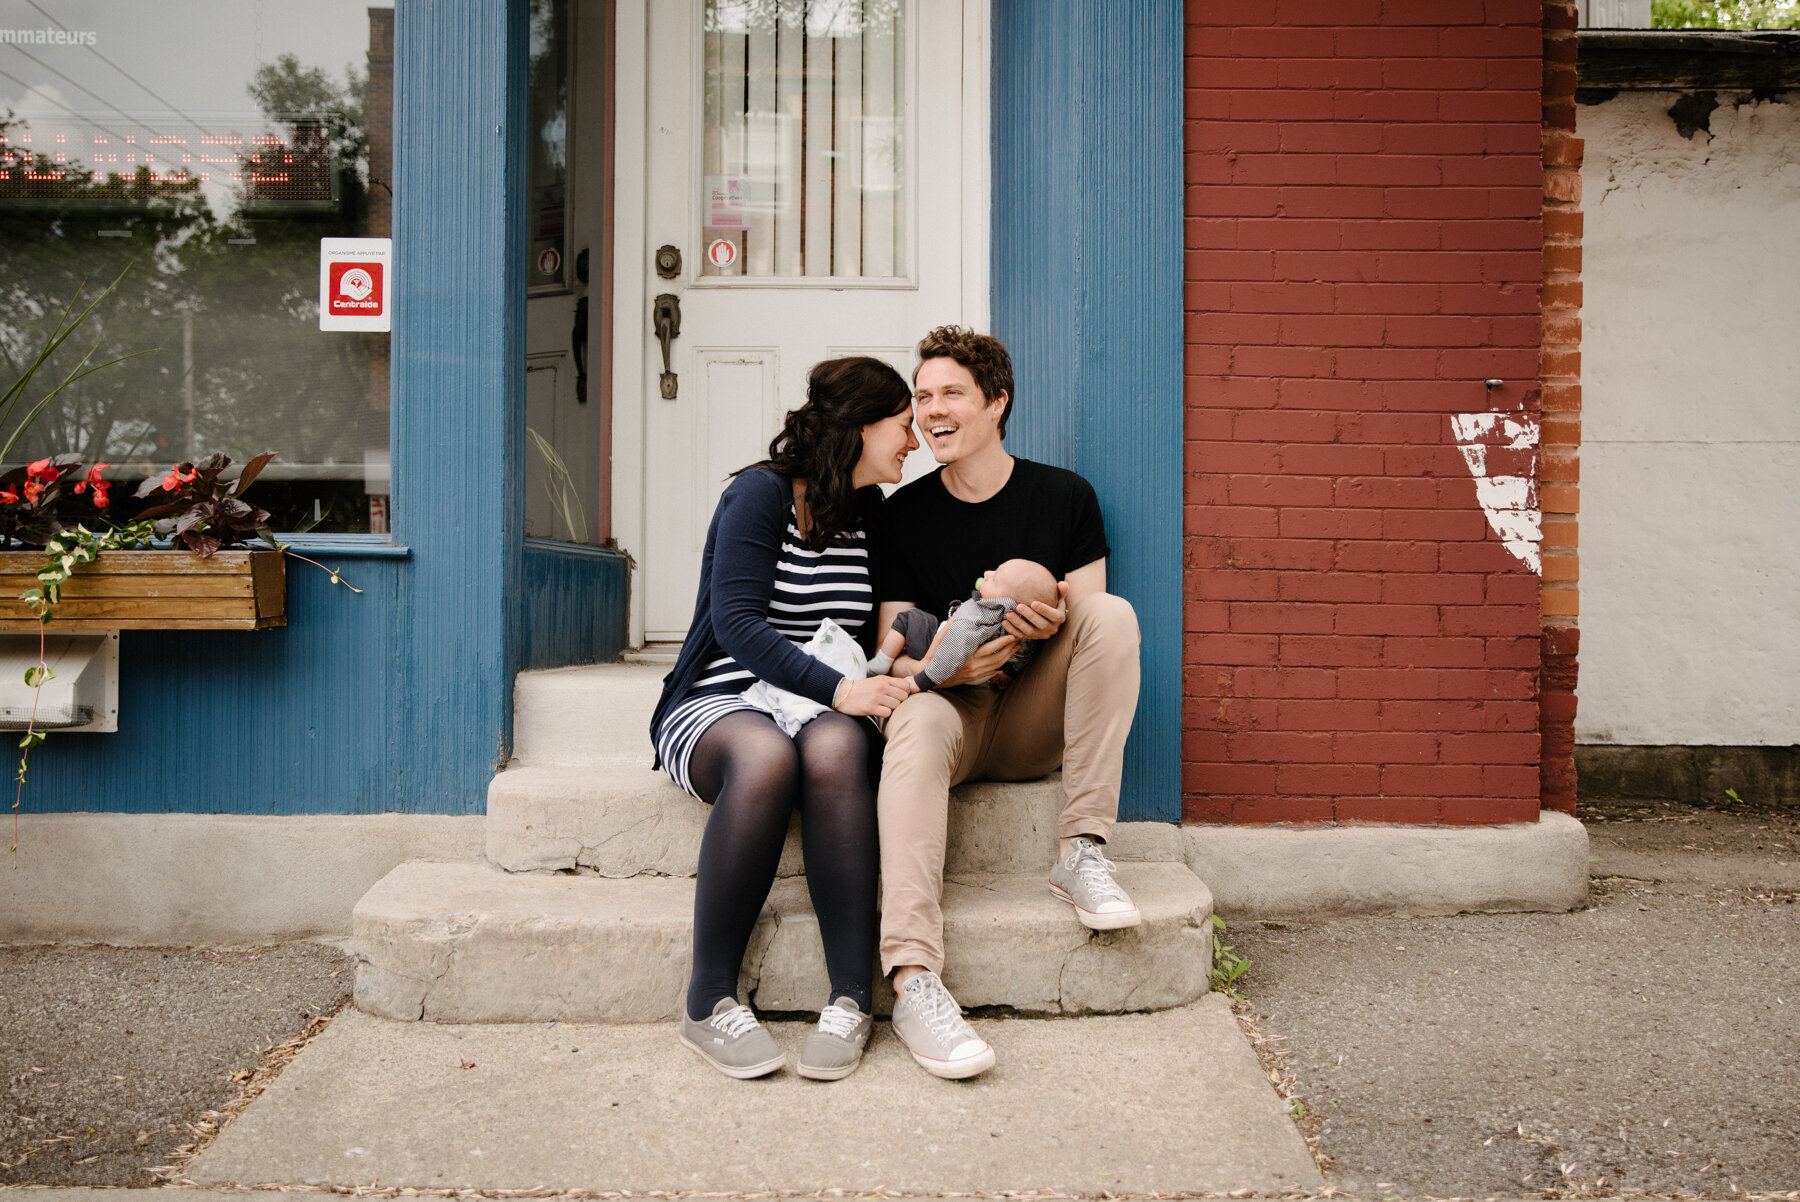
[835,1047]
[732,1041]
[1084,879]
[930,1024]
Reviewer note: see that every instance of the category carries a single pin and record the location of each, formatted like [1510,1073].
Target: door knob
[665,319]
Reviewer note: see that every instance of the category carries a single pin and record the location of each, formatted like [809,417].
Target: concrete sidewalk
[1168,1102]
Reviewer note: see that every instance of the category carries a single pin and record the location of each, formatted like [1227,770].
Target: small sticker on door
[724,252]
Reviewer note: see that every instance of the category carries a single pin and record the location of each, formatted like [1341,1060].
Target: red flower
[9,496]
[171,482]
[93,476]
[100,498]
[32,490]
[41,470]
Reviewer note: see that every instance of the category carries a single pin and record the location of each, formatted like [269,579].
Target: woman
[785,550]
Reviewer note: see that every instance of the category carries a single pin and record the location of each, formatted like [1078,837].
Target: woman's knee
[754,755]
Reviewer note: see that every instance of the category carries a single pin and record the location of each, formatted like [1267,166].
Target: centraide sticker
[356,282]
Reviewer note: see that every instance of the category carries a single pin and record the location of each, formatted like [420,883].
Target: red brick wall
[1364,248]
[1560,368]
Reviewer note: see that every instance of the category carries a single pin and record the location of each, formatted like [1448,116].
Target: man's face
[955,419]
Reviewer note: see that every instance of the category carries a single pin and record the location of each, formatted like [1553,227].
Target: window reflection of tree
[230,300]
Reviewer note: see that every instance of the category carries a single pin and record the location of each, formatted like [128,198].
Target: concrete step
[592,714]
[620,818]
[469,943]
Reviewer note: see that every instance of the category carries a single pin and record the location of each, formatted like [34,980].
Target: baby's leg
[892,644]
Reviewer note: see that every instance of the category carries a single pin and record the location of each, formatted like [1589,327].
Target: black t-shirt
[934,547]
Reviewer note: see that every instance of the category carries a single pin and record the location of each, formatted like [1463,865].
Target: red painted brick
[1455,204]
[1434,652]
[1306,329]
[1387,43]
[1417,811]
[1230,649]
[1519,588]
[1284,169]
[1238,522]
[1518,621]
[1203,745]
[1491,748]
[1388,684]
[1429,461]
[1440,72]
[1240,329]
[1384,106]
[1325,459]
[1506,685]
[1389,298]
[1344,395]
[1290,233]
[1486,811]
[1280,490]
[1282,42]
[1432,12]
[1337,587]
[1282,809]
[1391,235]
[1404,524]
[1331,651]
[1439,331]
[1386,492]
[1329,12]
[1287,104]
[1420,620]
[1425,266]
[1278,747]
[1235,456]
[1197,808]
[1388,557]
[1254,617]
[1516,652]
[1289,682]
[1330,73]
[1494,170]
[1225,136]
[1395,747]
[1426,714]
[1206,488]
[1488,105]
[1285,297]
[1334,200]
[1235,585]
[1234,200]
[1401,428]
[1431,137]
[1244,713]
[1331,137]
[1232,71]
[1330,715]
[1335,523]
[1483,233]
[1507,780]
[1431,780]
[1487,298]
[1329,779]
[1284,361]
[1282,554]
[1205,617]
[1235,778]
[1326,265]
[1230,265]
[1286,425]
[1387,363]
[1435,588]
[1476,557]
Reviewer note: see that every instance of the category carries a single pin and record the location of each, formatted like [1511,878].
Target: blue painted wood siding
[1087,245]
[398,699]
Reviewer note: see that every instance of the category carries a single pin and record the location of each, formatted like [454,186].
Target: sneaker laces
[835,1020]
[734,1022]
[939,1010]
[1093,869]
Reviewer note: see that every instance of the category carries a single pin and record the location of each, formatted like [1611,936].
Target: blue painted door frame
[1086,244]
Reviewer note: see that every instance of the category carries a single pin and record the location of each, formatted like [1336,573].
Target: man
[1071,706]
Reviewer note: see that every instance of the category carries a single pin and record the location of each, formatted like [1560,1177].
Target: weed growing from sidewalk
[1228,968]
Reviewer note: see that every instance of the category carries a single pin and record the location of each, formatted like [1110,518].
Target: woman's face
[885,446]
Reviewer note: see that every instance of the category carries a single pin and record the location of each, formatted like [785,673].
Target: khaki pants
[1072,706]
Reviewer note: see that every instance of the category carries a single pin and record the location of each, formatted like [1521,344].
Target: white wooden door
[809,160]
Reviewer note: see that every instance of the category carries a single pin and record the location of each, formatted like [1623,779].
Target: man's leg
[1075,704]
[931,744]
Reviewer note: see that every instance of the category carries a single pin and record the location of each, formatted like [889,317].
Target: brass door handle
[665,319]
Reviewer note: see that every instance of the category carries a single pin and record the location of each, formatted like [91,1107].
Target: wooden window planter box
[153,590]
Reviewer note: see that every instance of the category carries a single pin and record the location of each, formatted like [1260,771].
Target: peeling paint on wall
[1501,450]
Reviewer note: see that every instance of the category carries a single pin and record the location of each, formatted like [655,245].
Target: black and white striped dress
[810,586]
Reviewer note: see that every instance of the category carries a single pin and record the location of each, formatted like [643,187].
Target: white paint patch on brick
[1506,486]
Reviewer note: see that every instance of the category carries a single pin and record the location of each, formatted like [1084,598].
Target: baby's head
[1022,580]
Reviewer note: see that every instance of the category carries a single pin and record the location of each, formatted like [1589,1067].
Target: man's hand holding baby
[1036,620]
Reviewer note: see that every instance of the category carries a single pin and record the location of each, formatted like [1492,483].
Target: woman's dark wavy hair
[821,441]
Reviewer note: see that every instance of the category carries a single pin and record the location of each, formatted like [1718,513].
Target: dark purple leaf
[202,545]
[251,471]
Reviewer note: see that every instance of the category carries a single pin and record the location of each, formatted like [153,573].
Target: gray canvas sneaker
[930,1024]
[835,1047]
[1084,879]
[732,1041]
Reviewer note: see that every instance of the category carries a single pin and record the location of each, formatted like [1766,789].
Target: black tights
[754,776]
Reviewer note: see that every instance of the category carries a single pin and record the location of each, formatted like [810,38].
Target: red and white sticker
[721,252]
[356,283]
[550,262]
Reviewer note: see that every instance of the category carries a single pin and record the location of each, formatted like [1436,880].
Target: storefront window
[204,150]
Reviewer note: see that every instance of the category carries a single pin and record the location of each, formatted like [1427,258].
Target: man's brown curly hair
[983,354]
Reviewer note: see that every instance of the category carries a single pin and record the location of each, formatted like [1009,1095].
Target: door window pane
[203,149]
[803,138]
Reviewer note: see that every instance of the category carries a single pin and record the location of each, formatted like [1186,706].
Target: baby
[972,623]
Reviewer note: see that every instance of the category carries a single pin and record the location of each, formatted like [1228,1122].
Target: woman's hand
[875,696]
[1035,620]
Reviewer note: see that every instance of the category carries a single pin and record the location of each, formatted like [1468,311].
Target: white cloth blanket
[829,645]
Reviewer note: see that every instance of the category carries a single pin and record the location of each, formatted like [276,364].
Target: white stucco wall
[1690,498]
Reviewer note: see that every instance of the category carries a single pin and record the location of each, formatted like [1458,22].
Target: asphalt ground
[111,1058]
[1649,1043]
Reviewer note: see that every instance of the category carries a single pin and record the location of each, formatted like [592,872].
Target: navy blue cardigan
[737,581]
